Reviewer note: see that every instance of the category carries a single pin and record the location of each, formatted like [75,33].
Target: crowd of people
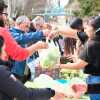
[19,45]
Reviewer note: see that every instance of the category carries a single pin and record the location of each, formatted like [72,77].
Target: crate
[54,73]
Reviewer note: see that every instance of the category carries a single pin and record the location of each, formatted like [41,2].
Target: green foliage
[88,8]
[69,74]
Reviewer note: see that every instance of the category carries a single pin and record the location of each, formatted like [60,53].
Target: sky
[62,2]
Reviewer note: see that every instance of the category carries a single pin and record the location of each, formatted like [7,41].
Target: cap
[76,23]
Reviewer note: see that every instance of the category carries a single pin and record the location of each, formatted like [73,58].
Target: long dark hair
[2,24]
[69,46]
[95,23]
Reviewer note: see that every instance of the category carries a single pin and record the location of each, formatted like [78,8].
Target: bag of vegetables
[49,57]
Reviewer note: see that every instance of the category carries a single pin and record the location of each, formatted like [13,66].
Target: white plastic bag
[49,57]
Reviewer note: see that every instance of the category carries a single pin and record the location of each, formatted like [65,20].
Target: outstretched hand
[79,89]
[42,45]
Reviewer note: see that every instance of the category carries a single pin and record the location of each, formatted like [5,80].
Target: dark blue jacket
[23,39]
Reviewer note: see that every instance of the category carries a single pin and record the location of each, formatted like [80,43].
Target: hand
[42,45]
[61,94]
[49,34]
[58,96]
[72,91]
[53,34]
[79,89]
[46,32]
[69,93]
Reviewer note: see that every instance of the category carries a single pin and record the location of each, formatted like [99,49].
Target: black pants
[13,88]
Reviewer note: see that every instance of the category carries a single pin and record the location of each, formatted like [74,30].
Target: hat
[2,6]
[76,23]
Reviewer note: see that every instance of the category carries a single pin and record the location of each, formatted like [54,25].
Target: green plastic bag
[49,57]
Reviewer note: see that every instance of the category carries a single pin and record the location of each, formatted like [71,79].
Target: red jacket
[15,51]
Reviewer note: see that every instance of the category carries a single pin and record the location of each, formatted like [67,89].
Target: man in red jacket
[13,50]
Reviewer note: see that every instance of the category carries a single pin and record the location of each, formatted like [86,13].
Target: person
[75,35]
[89,57]
[38,22]
[20,55]
[69,46]
[32,28]
[11,87]
[85,88]
[74,29]
[10,43]
[23,37]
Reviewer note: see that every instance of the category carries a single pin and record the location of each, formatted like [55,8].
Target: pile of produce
[69,74]
[75,87]
[45,81]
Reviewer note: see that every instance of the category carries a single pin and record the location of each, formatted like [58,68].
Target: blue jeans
[90,80]
[32,64]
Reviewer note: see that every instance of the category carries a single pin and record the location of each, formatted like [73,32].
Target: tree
[89,7]
[97,7]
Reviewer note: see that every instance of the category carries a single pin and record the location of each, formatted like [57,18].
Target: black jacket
[13,88]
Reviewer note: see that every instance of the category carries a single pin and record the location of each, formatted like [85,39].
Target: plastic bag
[45,81]
[49,57]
